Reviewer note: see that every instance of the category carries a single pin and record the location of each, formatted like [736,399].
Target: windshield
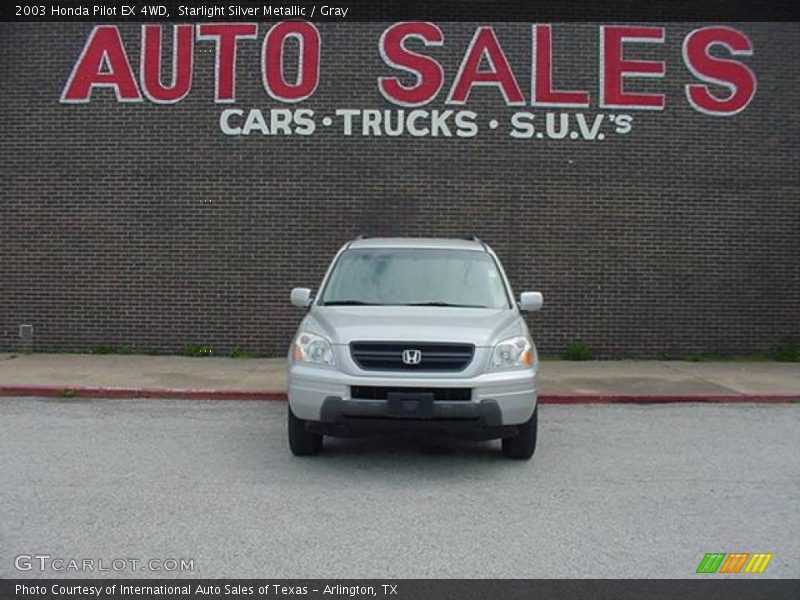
[415,276]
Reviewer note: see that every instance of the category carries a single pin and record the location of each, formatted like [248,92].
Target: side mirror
[529,301]
[301,297]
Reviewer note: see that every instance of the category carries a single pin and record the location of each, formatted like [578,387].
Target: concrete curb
[668,398]
[38,391]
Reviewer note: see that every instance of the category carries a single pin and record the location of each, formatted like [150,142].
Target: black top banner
[402,10]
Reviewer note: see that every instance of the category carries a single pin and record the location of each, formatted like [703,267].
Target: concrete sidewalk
[130,376]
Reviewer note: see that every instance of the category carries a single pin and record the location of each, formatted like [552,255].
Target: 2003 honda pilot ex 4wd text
[414,333]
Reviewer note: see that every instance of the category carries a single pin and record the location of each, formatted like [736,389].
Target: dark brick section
[144,226]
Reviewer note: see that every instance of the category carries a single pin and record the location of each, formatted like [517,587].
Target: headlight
[311,348]
[513,353]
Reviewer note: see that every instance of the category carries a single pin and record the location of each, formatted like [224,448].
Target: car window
[403,276]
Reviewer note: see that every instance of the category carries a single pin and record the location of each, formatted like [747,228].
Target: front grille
[363,392]
[388,356]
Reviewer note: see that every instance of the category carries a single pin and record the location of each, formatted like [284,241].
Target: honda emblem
[412,357]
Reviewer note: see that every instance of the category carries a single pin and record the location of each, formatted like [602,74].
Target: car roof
[440,243]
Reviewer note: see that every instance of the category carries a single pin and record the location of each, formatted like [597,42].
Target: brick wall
[144,226]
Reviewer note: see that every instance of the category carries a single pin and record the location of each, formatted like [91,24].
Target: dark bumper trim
[346,418]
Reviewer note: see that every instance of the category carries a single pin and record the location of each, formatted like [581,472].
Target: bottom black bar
[400,589]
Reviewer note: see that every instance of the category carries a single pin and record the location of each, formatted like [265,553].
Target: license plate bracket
[410,405]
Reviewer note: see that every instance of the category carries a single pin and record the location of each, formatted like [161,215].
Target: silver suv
[414,333]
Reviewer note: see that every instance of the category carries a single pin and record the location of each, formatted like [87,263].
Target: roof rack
[475,238]
[360,236]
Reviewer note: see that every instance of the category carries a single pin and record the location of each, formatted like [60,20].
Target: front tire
[301,442]
[523,445]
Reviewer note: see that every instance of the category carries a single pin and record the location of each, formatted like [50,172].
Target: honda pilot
[422,334]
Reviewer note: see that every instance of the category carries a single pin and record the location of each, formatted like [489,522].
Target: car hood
[479,326]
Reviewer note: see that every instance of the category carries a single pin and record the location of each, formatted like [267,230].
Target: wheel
[522,445]
[301,442]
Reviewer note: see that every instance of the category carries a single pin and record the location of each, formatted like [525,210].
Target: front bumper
[475,420]
[503,398]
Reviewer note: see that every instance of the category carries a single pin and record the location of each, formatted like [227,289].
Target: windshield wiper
[445,304]
[349,303]
[362,303]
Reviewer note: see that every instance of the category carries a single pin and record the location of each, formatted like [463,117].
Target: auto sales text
[718,81]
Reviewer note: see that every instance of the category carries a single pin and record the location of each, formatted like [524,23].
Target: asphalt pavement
[613,491]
